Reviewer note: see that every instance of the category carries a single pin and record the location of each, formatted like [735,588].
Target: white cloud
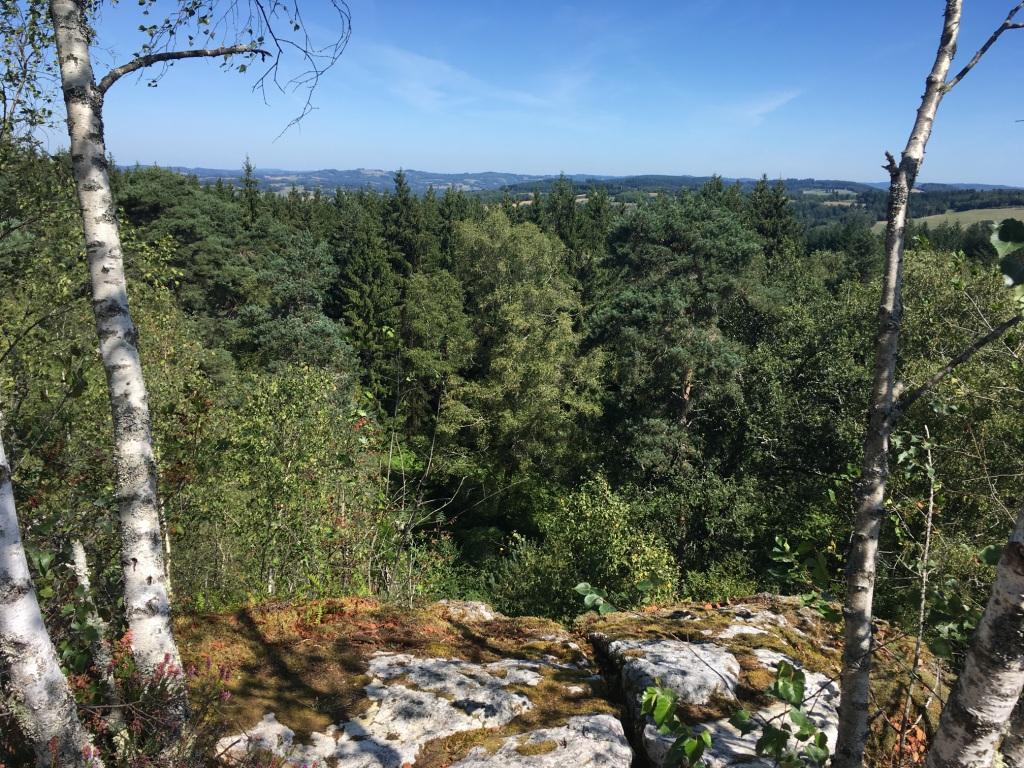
[755,110]
[433,85]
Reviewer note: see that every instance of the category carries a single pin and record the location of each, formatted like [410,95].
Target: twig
[922,603]
[906,400]
[1007,24]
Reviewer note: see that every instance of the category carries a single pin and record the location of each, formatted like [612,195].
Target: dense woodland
[357,393]
[692,394]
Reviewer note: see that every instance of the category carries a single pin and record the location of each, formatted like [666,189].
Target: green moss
[539,747]
[553,706]
[307,663]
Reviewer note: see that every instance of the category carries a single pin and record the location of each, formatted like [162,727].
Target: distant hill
[328,179]
[667,183]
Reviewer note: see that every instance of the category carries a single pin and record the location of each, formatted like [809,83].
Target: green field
[966,218]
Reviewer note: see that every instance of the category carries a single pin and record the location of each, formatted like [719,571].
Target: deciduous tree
[145,590]
[45,708]
[887,404]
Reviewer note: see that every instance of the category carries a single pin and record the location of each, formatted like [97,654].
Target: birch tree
[25,92]
[1012,748]
[993,675]
[43,703]
[251,27]
[887,402]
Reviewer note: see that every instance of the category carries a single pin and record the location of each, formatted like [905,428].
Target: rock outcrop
[590,741]
[355,684]
[717,661]
[532,702]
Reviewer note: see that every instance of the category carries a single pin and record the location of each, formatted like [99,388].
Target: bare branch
[890,165]
[295,55]
[909,398]
[164,56]
[1007,24]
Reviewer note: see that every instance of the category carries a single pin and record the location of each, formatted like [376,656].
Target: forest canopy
[363,393]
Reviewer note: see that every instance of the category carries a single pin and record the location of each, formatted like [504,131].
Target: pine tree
[250,191]
[772,217]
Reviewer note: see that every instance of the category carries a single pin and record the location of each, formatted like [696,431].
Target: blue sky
[787,88]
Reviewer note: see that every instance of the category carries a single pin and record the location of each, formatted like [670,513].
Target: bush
[728,578]
[593,535]
[978,243]
[1011,231]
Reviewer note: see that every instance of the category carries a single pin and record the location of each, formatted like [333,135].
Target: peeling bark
[990,684]
[43,704]
[145,586]
[874,471]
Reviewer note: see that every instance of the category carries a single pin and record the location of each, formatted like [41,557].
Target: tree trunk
[1012,748]
[145,592]
[45,708]
[993,675]
[871,487]
[102,655]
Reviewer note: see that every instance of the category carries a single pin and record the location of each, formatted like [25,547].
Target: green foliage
[977,243]
[806,567]
[590,534]
[518,407]
[1011,231]
[670,369]
[726,578]
[660,705]
[280,510]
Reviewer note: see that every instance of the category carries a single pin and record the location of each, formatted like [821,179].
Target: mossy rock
[340,673]
[756,632]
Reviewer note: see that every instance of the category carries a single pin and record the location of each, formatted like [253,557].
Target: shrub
[1011,231]
[731,577]
[592,535]
[978,243]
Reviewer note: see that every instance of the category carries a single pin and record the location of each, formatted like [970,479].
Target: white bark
[993,676]
[145,592]
[43,704]
[861,560]
[102,654]
[1012,748]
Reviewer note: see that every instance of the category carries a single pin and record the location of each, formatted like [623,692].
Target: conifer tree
[250,192]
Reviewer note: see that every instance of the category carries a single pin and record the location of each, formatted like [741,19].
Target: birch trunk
[1012,748]
[102,655]
[874,471]
[990,685]
[145,591]
[44,706]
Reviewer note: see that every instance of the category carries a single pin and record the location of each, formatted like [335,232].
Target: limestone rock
[697,672]
[467,610]
[414,700]
[595,741]
[738,659]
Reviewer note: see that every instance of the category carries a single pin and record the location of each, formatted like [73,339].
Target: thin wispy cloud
[434,85]
[755,110]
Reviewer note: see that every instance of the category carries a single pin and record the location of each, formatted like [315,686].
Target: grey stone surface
[697,672]
[413,701]
[468,611]
[701,672]
[595,741]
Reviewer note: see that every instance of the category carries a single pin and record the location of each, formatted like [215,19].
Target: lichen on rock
[523,678]
[595,741]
